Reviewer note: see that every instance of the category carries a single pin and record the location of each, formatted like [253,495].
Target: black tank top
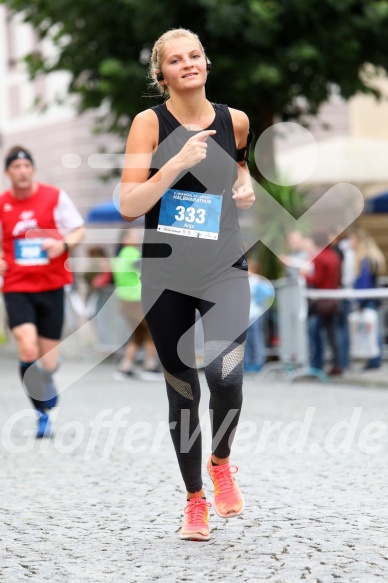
[183,263]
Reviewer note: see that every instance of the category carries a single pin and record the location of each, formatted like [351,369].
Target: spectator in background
[99,280]
[369,264]
[342,244]
[261,293]
[322,312]
[297,253]
[126,276]
[98,273]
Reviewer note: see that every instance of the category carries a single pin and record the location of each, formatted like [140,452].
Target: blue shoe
[44,426]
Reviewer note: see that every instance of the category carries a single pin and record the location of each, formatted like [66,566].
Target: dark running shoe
[120,375]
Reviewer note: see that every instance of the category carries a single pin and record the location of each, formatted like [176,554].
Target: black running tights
[224,309]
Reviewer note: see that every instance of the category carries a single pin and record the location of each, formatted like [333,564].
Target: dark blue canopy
[104,213]
[378,204]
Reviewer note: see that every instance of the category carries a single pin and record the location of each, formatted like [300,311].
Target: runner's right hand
[194,151]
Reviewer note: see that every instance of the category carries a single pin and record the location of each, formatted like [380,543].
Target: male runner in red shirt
[39,225]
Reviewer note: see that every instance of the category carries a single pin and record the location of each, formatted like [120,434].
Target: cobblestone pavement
[90,505]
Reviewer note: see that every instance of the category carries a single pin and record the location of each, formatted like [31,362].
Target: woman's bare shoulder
[147,117]
[239,118]
[240,122]
[144,131]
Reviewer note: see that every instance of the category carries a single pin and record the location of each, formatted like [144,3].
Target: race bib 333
[190,214]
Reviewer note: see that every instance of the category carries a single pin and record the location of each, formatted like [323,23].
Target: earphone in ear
[208,66]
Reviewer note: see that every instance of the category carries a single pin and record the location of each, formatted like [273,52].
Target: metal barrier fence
[291,301]
[292,316]
[291,309]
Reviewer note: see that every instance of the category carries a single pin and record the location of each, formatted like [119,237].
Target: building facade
[40,116]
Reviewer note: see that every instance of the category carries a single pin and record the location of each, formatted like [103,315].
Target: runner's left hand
[54,247]
[244,196]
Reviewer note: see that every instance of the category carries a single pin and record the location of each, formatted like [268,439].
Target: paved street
[103,499]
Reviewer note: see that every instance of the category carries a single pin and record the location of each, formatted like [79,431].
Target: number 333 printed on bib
[190,214]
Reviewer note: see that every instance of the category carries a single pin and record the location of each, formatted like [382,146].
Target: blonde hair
[367,248]
[157,55]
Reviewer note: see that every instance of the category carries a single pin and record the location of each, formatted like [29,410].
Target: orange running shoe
[196,524]
[228,498]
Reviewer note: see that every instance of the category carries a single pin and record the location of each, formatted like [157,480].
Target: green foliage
[266,54]
[270,58]
[273,229]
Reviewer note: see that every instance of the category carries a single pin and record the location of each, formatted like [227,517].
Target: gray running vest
[182,263]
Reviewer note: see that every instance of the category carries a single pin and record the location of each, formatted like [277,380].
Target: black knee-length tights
[224,309]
